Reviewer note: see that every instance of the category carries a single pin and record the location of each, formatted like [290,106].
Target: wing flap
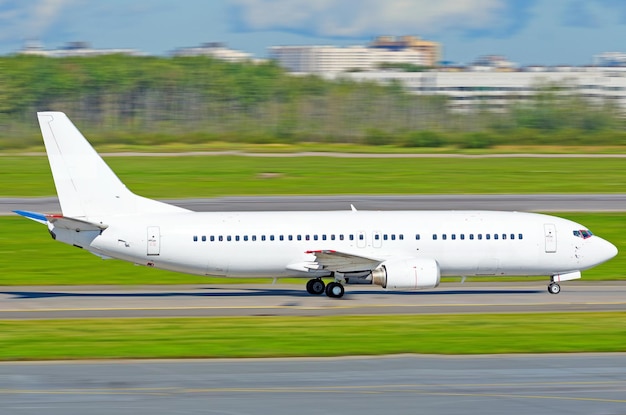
[342,262]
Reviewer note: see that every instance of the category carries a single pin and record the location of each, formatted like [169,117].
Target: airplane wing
[342,262]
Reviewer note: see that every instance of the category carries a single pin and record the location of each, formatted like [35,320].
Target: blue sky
[526,31]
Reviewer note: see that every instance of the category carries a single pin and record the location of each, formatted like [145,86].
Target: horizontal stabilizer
[61,221]
[37,217]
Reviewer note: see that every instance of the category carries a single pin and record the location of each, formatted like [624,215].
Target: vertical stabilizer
[85,184]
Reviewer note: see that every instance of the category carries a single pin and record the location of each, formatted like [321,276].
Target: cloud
[599,13]
[367,18]
[578,14]
[28,19]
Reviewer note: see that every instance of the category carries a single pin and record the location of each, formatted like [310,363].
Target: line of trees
[153,100]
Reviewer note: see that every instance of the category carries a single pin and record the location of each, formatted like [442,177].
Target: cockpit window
[583,233]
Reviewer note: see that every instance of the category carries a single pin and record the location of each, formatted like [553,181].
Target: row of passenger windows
[478,236]
[351,237]
[253,238]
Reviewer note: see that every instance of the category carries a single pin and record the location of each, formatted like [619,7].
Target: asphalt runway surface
[293,300]
[537,203]
[483,385]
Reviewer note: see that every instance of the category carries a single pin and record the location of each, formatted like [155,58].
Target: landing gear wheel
[315,286]
[334,290]
[554,288]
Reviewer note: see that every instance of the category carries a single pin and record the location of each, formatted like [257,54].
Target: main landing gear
[333,290]
[554,288]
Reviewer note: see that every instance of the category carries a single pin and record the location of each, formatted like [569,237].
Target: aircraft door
[550,237]
[154,240]
[377,239]
[361,241]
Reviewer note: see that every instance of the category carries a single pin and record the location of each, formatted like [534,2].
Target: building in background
[73,49]
[495,90]
[609,59]
[431,51]
[215,49]
[333,59]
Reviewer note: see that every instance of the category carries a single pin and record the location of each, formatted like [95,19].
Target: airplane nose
[604,250]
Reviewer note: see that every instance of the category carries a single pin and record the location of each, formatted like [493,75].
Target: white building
[495,90]
[609,59]
[332,59]
[216,50]
[74,49]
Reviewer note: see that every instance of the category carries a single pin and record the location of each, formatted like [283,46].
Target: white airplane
[397,250]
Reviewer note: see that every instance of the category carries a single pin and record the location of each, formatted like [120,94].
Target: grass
[28,256]
[226,337]
[210,176]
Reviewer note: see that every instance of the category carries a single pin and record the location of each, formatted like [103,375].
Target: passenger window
[271,237]
[290,237]
[332,237]
[417,236]
[462,236]
[401,237]
[453,236]
[495,236]
[519,236]
[377,237]
[351,237]
[299,237]
[253,238]
[324,237]
[385,237]
[512,236]
[471,236]
[237,238]
[315,237]
[195,238]
[504,236]
[228,238]
[444,236]
[282,238]
[434,236]
[221,238]
[262,237]
[361,237]
[245,237]
[341,237]
[480,236]
[212,238]
[393,237]
[307,237]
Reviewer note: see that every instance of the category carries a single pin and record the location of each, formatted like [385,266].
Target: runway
[473,385]
[536,203]
[292,300]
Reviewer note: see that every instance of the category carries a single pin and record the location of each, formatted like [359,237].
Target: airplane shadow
[256,292]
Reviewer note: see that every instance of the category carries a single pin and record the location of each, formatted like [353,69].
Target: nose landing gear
[554,288]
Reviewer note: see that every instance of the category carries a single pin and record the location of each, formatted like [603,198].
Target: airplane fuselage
[272,244]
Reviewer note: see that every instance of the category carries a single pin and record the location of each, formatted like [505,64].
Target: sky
[528,32]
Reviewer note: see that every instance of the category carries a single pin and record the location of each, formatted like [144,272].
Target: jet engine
[407,274]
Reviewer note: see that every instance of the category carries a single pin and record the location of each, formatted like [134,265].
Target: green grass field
[305,336]
[28,256]
[209,176]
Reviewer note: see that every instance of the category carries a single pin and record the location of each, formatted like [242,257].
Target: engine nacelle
[407,274]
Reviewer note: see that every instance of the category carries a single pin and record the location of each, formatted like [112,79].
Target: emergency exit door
[154,240]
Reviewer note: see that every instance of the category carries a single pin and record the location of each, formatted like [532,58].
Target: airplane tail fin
[86,185]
